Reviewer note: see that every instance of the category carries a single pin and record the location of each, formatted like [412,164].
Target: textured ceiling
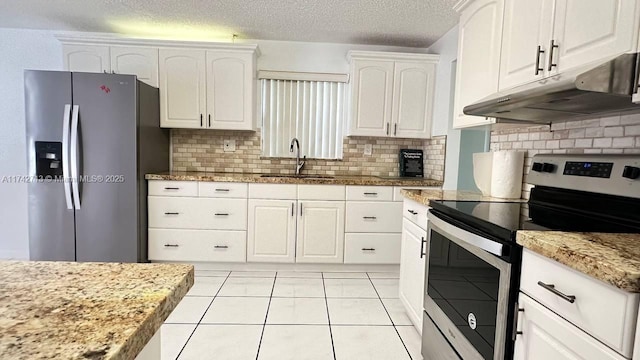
[413,23]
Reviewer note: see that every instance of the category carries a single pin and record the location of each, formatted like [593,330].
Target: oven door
[467,292]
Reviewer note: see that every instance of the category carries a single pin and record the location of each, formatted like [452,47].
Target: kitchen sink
[297,176]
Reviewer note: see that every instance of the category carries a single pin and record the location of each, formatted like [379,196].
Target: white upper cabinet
[230,90]
[142,62]
[478,66]
[544,38]
[182,88]
[413,93]
[320,232]
[525,40]
[391,94]
[371,93]
[589,30]
[86,58]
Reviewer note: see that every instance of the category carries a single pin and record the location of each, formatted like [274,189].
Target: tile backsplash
[202,150]
[619,134]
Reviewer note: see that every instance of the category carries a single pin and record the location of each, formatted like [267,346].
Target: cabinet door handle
[292,205]
[171,245]
[412,212]
[371,194]
[369,217]
[222,190]
[172,213]
[423,248]
[300,209]
[200,120]
[221,247]
[551,47]
[209,120]
[221,214]
[368,249]
[552,288]
[172,188]
[538,53]
[515,324]
[395,129]
[387,128]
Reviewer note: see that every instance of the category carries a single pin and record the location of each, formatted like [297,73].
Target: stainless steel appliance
[591,90]
[472,272]
[90,140]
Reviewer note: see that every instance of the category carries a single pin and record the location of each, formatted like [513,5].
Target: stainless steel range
[473,269]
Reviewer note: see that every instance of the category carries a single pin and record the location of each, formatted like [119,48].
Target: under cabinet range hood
[582,93]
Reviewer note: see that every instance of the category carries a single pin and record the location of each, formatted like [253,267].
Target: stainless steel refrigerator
[90,140]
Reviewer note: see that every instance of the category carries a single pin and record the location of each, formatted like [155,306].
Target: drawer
[604,311]
[273,191]
[372,248]
[173,188]
[197,213]
[223,190]
[321,192]
[415,212]
[197,245]
[373,217]
[370,193]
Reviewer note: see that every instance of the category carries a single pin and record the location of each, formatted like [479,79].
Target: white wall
[20,49]
[447,48]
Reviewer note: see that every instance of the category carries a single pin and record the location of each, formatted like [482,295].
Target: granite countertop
[612,258]
[64,310]
[424,196]
[257,178]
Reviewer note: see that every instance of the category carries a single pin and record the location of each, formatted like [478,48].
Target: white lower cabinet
[320,232]
[271,231]
[197,245]
[546,335]
[412,270]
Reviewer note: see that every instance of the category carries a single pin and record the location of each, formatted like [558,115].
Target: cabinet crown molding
[113,39]
[391,56]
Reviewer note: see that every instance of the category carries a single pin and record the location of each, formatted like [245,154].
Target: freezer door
[106,221]
[51,217]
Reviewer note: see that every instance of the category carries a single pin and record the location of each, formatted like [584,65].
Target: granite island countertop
[612,258]
[424,196]
[321,180]
[64,310]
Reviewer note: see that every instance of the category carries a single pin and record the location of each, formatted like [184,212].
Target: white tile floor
[290,315]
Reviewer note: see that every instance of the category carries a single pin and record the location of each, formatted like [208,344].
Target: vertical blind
[311,111]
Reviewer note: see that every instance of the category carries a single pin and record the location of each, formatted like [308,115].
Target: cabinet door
[320,232]
[413,91]
[412,271]
[86,58]
[141,62]
[546,335]
[527,25]
[182,88]
[272,231]
[478,68]
[591,30]
[371,96]
[230,90]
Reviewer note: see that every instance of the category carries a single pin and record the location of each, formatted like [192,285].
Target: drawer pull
[172,188]
[172,213]
[371,193]
[369,217]
[171,245]
[368,249]
[423,249]
[552,288]
[221,214]
[222,190]
[412,212]
[221,247]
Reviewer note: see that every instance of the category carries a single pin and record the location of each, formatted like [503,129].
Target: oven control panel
[598,173]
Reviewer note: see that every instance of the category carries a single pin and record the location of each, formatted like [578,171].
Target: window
[309,110]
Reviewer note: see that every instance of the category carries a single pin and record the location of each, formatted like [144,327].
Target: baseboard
[292,267]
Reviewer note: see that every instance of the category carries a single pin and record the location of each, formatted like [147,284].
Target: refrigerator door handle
[74,157]
[66,119]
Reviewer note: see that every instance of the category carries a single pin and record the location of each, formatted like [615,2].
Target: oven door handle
[485,244]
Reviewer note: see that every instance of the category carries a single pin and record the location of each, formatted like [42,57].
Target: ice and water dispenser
[48,160]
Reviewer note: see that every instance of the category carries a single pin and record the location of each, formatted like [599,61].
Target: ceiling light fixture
[171,31]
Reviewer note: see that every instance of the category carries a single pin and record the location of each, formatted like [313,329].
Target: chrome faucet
[299,164]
